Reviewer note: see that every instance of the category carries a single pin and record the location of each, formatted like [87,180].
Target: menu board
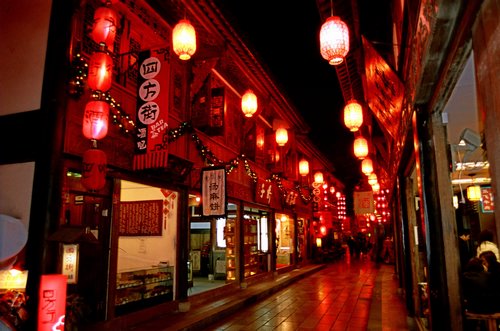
[141,218]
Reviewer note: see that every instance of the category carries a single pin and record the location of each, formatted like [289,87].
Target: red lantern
[281,136]
[360,147]
[249,103]
[95,120]
[334,40]
[100,71]
[94,169]
[104,27]
[353,115]
[184,39]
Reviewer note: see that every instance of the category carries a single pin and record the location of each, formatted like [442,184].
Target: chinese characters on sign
[151,150]
[214,192]
[52,302]
[264,192]
[487,200]
[363,203]
[70,262]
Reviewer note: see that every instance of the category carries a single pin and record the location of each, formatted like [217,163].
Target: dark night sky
[284,37]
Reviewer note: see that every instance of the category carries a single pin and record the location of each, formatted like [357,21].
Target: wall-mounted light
[318,177]
[281,136]
[304,167]
[249,103]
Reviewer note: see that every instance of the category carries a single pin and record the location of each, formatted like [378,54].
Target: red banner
[151,150]
[384,90]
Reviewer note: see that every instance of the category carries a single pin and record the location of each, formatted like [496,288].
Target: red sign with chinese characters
[265,192]
[52,303]
[487,200]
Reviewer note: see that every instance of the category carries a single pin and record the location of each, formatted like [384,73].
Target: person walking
[486,244]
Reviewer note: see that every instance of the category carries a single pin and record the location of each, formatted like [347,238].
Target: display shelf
[141,285]
[250,247]
[230,249]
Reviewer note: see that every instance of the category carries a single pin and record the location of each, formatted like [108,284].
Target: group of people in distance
[481,277]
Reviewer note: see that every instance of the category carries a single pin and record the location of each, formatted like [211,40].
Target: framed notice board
[141,218]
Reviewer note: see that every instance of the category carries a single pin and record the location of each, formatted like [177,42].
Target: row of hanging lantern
[96,114]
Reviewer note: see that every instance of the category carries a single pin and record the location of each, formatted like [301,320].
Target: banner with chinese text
[363,202]
[151,150]
[213,191]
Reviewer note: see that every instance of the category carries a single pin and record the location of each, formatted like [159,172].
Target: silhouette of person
[486,244]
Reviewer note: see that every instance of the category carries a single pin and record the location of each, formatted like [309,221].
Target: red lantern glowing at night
[367,166]
[249,103]
[104,27]
[94,169]
[281,136]
[95,120]
[334,40]
[353,115]
[360,147]
[100,72]
[304,167]
[184,39]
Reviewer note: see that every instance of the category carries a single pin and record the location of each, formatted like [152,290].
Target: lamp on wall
[249,103]
[184,39]
[281,136]
[304,167]
[318,177]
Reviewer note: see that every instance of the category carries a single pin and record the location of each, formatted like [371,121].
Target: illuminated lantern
[322,230]
[334,40]
[94,169]
[360,147]
[281,136]
[249,103]
[376,187]
[353,115]
[104,27]
[304,167]
[95,120]
[100,72]
[367,166]
[318,177]
[474,193]
[372,179]
[184,39]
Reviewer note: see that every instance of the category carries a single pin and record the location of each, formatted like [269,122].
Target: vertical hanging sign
[52,302]
[213,193]
[151,150]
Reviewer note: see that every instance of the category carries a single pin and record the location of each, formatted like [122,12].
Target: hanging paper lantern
[304,167]
[353,115]
[376,187]
[94,169]
[318,177]
[100,72]
[281,136]
[367,166]
[249,103]
[474,193]
[334,40]
[104,27]
[184,39]
[372,179]
[95,120]
[360,147]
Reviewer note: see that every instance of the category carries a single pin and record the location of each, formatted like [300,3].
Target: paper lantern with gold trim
[353,115]
[95,120]
[334,40]
[94,169]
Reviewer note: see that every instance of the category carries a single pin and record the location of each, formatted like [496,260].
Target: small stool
[491,319]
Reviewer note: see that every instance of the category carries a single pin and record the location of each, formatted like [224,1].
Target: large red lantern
[281,136]
[94,169]
[334,40]
[184,39]
[104,27]
[100,72]
[95,120]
